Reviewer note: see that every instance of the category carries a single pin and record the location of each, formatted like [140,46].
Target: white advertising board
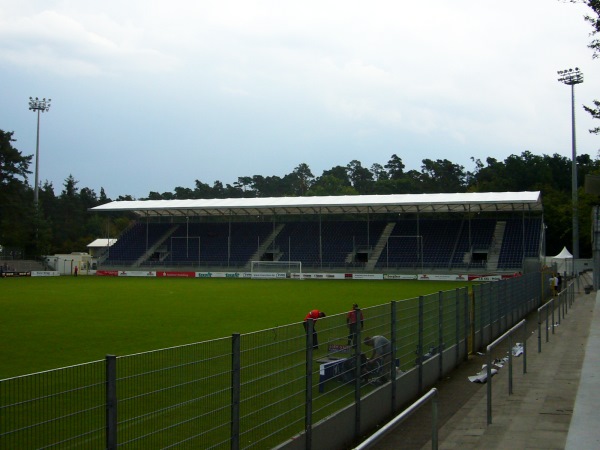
[267,275]
[44,273]
[223,274]
[136,273]
[320,276]
[396,276]
[367,276]
[438,277]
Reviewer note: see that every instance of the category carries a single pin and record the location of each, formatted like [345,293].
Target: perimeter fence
[259,390]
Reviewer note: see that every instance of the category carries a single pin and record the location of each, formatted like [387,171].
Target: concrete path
[553,406]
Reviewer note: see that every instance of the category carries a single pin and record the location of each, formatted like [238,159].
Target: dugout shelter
[487,231]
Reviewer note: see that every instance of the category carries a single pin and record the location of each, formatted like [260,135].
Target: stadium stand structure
[475,232]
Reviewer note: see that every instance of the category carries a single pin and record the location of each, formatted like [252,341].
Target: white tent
[563,261]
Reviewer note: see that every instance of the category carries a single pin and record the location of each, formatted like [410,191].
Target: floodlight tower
[571,77]
[40,106]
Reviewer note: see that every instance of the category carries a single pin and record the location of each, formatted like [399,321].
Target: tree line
[62,222]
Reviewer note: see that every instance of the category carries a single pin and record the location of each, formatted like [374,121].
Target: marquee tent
[563,261]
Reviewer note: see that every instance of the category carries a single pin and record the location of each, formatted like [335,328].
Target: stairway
[496,246]
[265,245]
[153,247]
[381,243]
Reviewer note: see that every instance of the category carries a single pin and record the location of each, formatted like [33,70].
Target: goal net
[276,269]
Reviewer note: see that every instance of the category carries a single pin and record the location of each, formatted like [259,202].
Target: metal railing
[490,347]
[388,427]
[560,304]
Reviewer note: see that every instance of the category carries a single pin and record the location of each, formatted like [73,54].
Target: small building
[65,264]
[100,246]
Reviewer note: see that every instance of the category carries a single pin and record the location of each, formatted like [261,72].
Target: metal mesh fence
[272,385]
[175,397]
[62,408]
[255,390]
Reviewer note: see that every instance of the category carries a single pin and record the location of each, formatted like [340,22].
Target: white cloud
[64,44]
[251,85]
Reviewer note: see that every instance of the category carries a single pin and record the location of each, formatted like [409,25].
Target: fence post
[539,338]
[235,391]
[111,402]
[420,344]
[310,326]
[553,319]
[457,323]
[525,347]
[394,336]
[440,334]
[481,320]
[491,290]
[547,324]
[488,381]
[510,364]
[468,324]
[357,375]
[434,420]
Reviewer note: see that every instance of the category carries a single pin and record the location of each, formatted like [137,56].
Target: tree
[331,185]
[594,21]
[103,198]
[268,186]
[154,196]
[14,167]
[300,180]
[339,172]
[395,167]
[442,176]
[379,172]
[594,45]
[16,199]
[244,184]
[361,177]
[595,113]
[182,193]
[203,190]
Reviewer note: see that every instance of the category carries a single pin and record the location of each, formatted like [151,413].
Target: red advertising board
[176,274]
[107,273]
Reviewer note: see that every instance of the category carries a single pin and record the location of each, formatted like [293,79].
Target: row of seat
[432,243]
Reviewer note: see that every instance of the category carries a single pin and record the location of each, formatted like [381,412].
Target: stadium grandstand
[455,232]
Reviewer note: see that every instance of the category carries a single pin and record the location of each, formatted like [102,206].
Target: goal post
[275,269]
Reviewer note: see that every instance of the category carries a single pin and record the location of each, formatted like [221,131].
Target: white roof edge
[450,202]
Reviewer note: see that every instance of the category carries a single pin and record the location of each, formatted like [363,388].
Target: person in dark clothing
[352,321]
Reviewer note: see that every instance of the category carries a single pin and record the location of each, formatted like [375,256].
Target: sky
[151,95]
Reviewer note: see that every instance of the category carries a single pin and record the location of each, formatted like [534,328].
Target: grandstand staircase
[265,245]
[494,251]
[381,243]
[155,246]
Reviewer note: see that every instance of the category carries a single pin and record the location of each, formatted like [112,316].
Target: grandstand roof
[374,204]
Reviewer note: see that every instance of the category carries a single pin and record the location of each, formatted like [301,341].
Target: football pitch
[54,322]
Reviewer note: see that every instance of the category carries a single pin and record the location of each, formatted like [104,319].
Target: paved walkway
[553,406]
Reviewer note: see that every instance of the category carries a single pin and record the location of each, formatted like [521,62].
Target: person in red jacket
[313,315]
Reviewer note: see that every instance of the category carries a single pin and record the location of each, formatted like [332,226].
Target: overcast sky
[149,95]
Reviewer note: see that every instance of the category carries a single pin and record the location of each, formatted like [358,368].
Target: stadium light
[571,77]
[43,105]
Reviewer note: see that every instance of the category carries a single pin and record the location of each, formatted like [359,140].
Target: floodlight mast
[571,77]
[43,105]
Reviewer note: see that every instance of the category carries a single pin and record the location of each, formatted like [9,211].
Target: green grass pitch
[59,321]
